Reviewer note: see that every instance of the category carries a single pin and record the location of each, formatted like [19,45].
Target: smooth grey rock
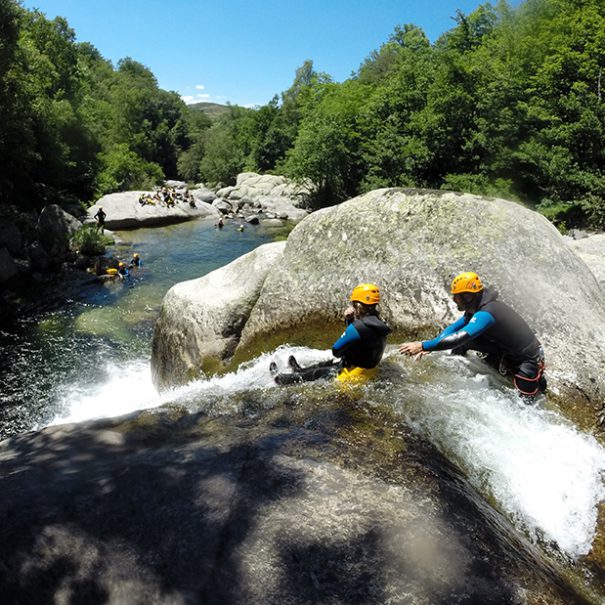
[204,195]
[225,191]
[297,506]
[8,267]
[124,211]
[202,318]
[282,207]
[176,184]
[10,237]
[222,206]
[412,243]
[591,249]
[273,195]
[252,185]
[55,228]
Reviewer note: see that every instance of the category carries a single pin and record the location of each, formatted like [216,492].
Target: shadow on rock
[300,504]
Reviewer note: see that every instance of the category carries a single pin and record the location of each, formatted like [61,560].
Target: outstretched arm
[416,348]
[455,335]
[478,323]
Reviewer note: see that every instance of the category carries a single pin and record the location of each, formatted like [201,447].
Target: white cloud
[199,98]
[192,94]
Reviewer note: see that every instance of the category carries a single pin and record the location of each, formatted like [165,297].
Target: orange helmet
[368,294]
[466,282]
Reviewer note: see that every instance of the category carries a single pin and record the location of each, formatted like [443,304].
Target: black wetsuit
[100,216]
[499,332]
[361,345]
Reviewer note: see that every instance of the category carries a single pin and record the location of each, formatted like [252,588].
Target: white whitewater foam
[129,388]
[544,473]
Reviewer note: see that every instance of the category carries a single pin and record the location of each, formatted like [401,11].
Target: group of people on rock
[488,326]
[166,196]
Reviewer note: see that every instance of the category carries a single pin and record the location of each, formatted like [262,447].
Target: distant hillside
[212,110]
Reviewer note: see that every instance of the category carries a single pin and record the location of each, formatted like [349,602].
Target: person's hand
[349,313]
[412,349]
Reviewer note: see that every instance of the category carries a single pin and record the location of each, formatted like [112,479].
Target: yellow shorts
[356,375]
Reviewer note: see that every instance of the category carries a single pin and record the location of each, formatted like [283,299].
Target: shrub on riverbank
[90,241]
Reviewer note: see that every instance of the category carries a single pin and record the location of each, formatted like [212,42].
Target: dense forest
[509,102]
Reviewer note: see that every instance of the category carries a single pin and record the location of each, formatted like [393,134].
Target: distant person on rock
[494,329]
[100,216]
[359,349]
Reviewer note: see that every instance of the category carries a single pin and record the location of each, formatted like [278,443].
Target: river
[90,358]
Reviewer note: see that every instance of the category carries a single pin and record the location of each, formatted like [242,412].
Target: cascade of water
[129,388]
[544,474]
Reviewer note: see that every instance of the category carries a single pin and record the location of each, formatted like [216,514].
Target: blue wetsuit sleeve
[349,336]
[460,332]
[427,345]
[459,323]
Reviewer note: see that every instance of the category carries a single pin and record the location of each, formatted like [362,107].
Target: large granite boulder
[202,319]
[8,267]
[591,250]
[271,194]
[124,211]
[412,243]
[10,237]
[203,194]
[55,228]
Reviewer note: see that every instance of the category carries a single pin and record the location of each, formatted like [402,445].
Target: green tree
[124,170]
[327,148]
[224,157]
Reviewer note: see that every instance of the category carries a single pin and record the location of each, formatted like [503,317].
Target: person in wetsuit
[123,271]
[495,330]
[100,216]
[361,345]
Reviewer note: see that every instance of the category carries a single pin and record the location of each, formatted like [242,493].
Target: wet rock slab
[300,504]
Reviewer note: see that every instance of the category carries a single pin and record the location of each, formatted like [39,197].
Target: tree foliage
[73,126]
[509,101]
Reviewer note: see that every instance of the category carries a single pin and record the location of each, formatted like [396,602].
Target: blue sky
[244,52]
